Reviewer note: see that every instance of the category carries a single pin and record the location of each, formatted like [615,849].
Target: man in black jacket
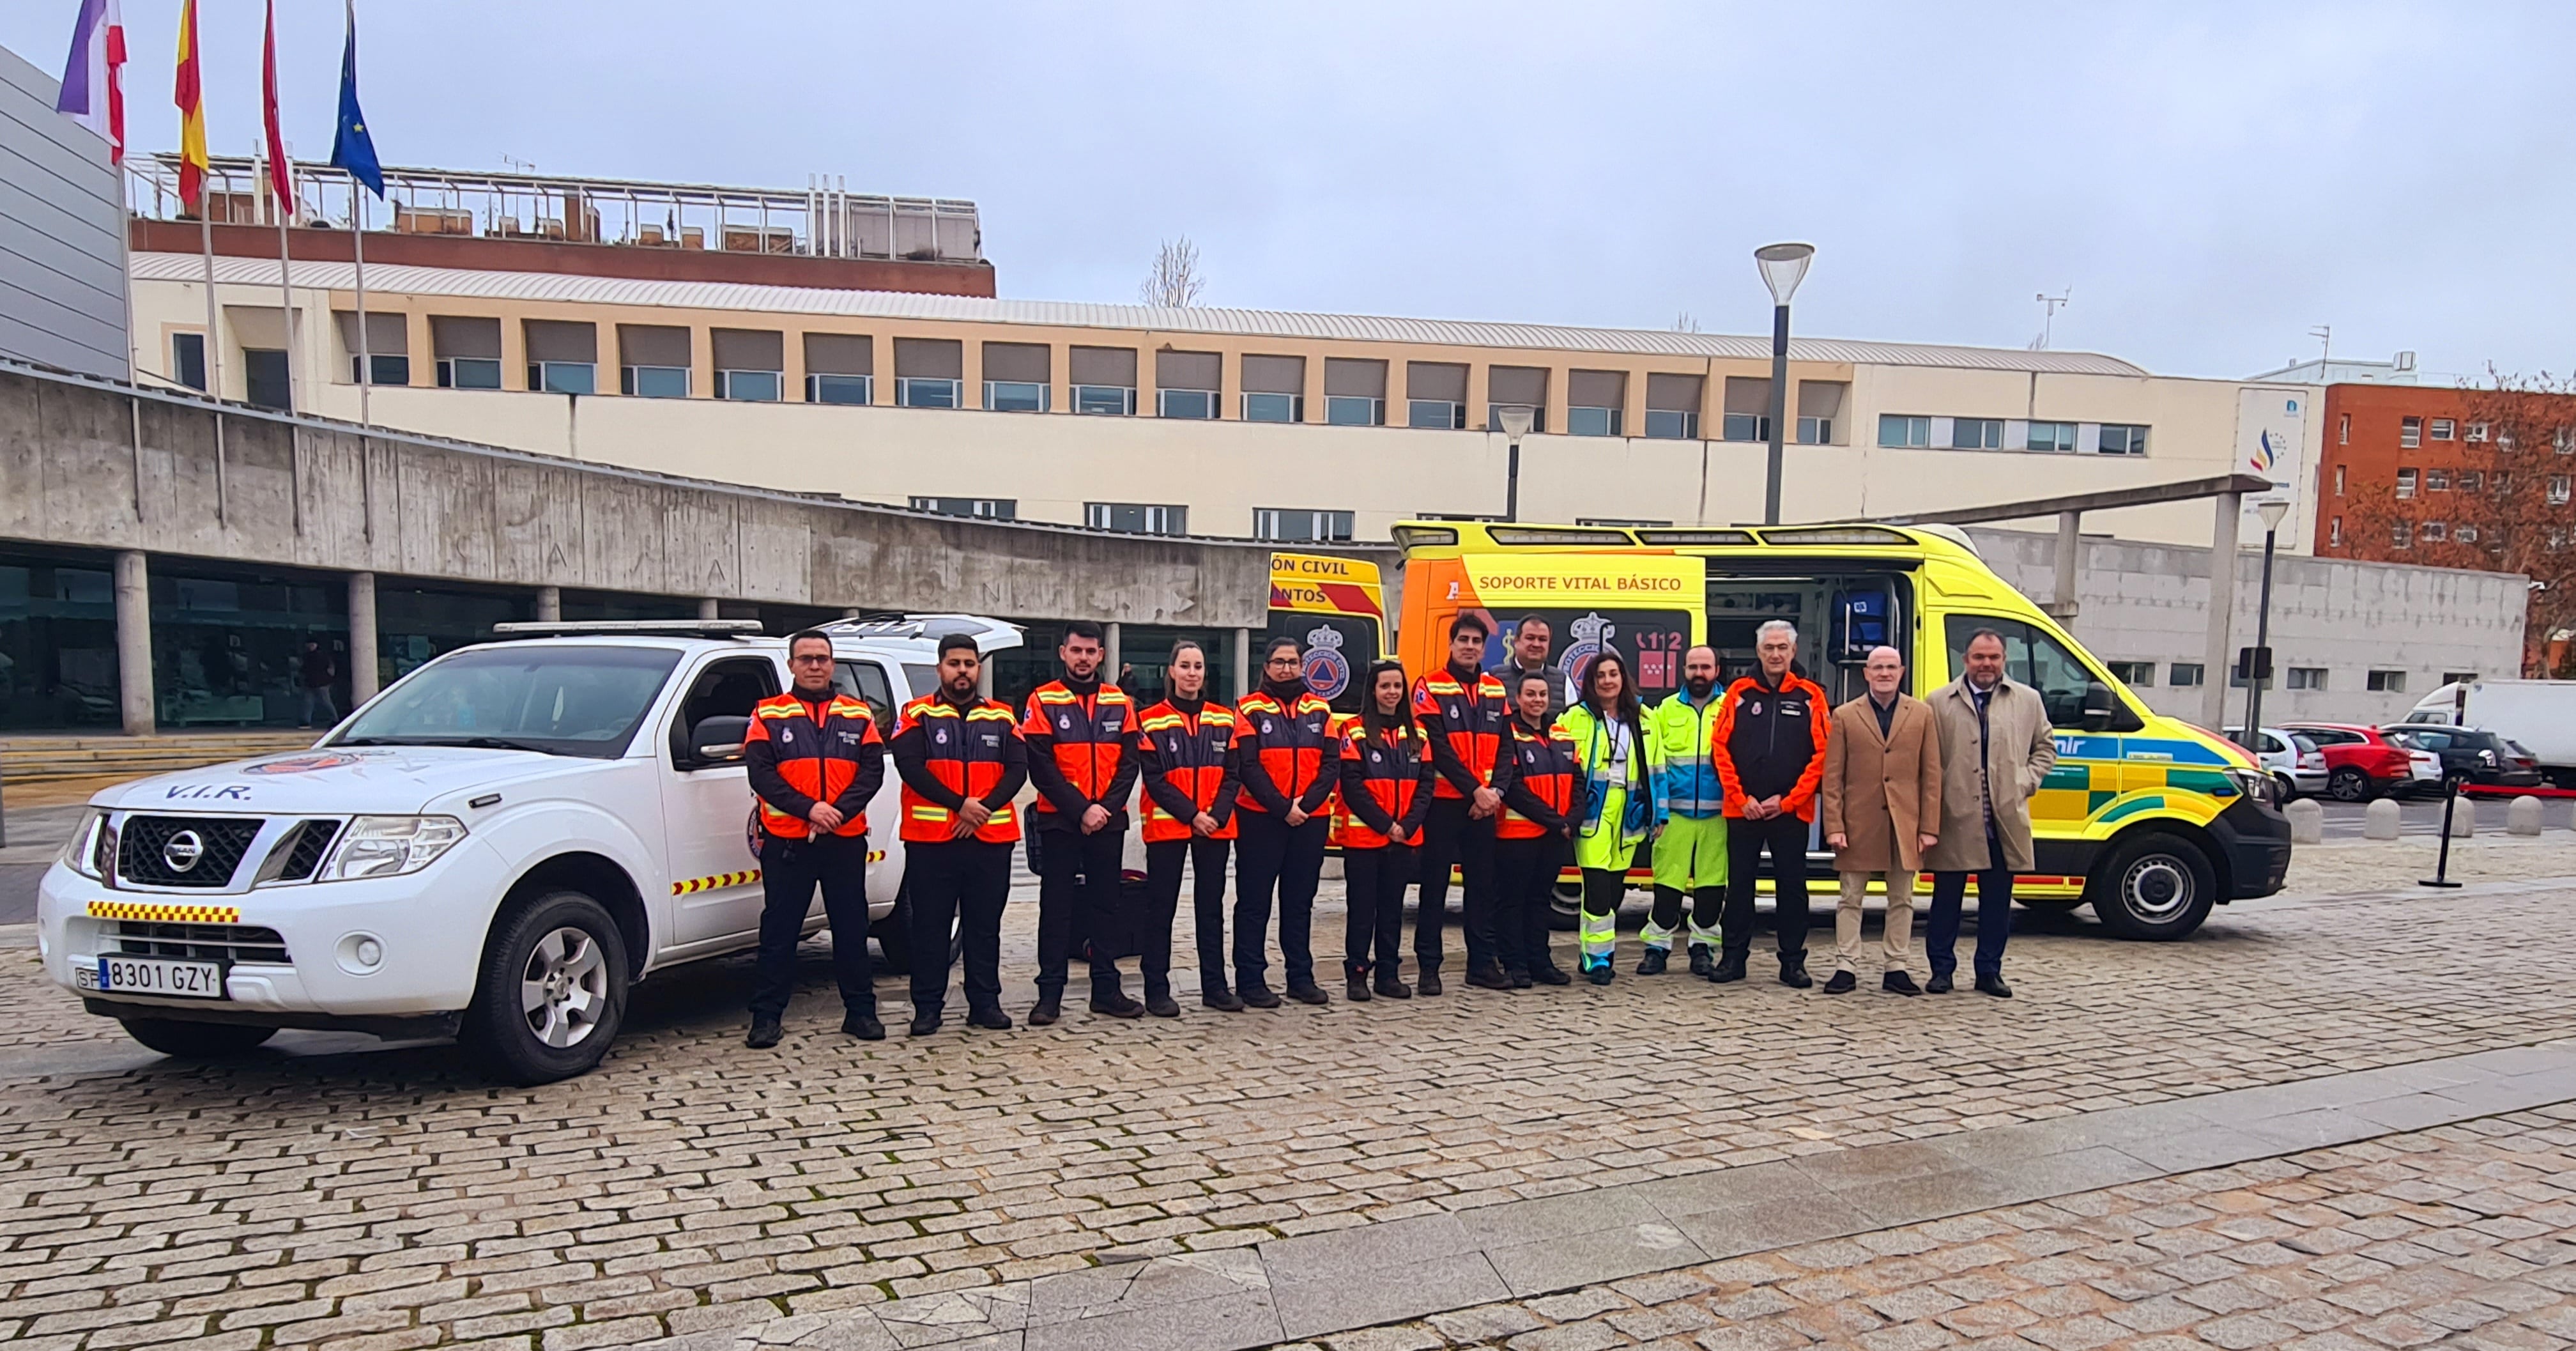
[1081,734]
[814,758]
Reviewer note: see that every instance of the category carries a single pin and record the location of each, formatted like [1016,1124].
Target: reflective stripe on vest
[962,749]
[1391,772]
[820,760]
[1089,732]
[1191,748]
[1289,743]
[1547,768]
[1472,722]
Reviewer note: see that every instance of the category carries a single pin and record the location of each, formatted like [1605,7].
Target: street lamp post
[2271,512]
[1783,267]
[1516,424]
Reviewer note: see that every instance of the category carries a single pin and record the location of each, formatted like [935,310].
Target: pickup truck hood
[335,780]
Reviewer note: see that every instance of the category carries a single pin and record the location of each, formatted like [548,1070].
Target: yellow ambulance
[2148,819]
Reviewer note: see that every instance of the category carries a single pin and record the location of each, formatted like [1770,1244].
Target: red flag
[189,95]
[280,181]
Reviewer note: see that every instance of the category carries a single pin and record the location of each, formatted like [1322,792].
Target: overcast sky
[2210,180]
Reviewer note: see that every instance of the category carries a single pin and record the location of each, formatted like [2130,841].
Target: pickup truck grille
[299,851]
[144,849]
[196,942]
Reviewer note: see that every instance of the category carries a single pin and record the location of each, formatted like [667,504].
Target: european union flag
[353,151]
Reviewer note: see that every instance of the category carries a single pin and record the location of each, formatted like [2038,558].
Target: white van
[494,848]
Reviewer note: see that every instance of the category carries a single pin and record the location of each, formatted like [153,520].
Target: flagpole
[214,339]
[358,251]
[286,303]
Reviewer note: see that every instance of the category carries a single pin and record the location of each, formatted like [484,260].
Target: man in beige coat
[1882,806]
[1996,750]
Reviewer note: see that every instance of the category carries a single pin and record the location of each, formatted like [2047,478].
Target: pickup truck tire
[2156,887]
[894,936]
[552,992]
[197,1041]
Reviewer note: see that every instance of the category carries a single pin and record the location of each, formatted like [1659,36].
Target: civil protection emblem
[1591,639]
[1327,671]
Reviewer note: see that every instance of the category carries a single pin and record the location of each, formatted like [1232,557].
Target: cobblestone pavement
[389,1198]
[2461,1237]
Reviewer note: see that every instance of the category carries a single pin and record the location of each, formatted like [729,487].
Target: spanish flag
[190,95]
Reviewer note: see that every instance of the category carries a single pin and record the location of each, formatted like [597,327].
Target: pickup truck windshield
[559,700]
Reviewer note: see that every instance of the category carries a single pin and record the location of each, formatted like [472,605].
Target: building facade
[62,235]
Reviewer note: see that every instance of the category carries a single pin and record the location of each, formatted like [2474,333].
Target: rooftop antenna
[523,166]
[2324,334]
[2049,305]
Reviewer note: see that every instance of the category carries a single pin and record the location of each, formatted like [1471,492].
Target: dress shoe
[764,1034]
[1162,1006]
[1427,984]
[1551,974]
[863,1024]
[1652,964]
[1939,984]
[1729,970]
[1488,978]
[1521,980]
[1842,983]
[1994,985]
[1793,971]
[1223,1001]
[1597,970]
[1898,982]
[1356,989]
[1388,987]
[1259,997]
[1116,1004]
[990,1018]
[1310,993]
[1050,1008]
[1703,962]
[923,1025]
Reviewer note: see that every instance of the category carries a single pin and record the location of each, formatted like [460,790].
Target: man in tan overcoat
[1996,750]
[1882,810]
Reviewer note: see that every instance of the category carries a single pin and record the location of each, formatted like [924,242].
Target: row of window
[2188,674]
[2469,481]
[2413,432]
[1157,518]
[1923,432]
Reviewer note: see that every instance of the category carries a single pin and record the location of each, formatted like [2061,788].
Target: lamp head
[2272,512]
[1783,267]
[1515,421]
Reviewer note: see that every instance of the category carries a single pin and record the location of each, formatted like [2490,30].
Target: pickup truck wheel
[552,991]
[197,1041]
[2348,784]
[2157,887]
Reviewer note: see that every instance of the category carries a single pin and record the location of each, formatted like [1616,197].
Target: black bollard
[2442,866]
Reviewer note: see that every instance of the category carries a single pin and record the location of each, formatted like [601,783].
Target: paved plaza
[1219,1180]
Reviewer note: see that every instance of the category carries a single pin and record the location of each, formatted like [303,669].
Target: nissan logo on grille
[183,850]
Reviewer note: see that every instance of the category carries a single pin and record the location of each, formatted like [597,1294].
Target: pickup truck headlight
[91,845]
[2253,783]
[389,846]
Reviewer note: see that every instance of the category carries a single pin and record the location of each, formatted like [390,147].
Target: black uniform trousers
[1163,860]
[789,872]
[1078,878]
[1275,856]
[1526,872]
[1784,838]
[1449,837]
[1373,882]
[944,882]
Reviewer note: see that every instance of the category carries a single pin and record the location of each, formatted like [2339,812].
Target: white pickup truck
[495,848]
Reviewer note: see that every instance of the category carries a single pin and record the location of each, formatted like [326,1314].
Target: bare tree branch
[1174,283]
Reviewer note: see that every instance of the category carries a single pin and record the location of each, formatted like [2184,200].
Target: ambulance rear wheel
[1565,907]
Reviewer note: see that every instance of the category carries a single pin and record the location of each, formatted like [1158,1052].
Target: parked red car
[2360,762]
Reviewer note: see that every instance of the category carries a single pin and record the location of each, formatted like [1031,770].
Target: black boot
[1258,996]
[764,1034]
[1050,1007]
[1549,973]
[1730,968]
[1652,964]
[863,1024]
[1115,1003]
[1220,999]
[924,1022]
[1939,984]
[1703,962]
[1162,1005]
[1793,971]
[1488,978]
[1899,982]
[1388,987]
[1356,988]
[1994,985]
[990,1017]
[1843,982]
[1308,992]
[1427,982]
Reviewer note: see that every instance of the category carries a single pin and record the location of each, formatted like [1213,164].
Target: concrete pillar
[134,643]
[2379,820]
[2307,821]
[2070,544]
[362,637]
[710,608]
[1112,653]
[2222,609]
[550,604]
[2522,816]
[1242,662]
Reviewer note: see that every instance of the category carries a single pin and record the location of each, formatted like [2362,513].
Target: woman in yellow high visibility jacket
[1620,764]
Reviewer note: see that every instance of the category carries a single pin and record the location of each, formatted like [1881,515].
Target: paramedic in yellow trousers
[1881,813]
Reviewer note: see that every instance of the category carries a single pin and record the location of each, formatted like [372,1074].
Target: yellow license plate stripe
[165,913]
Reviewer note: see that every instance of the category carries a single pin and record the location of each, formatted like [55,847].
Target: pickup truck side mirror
[718,741]
[2100,707]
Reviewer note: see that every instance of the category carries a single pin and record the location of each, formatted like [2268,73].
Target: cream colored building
[1211,421]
